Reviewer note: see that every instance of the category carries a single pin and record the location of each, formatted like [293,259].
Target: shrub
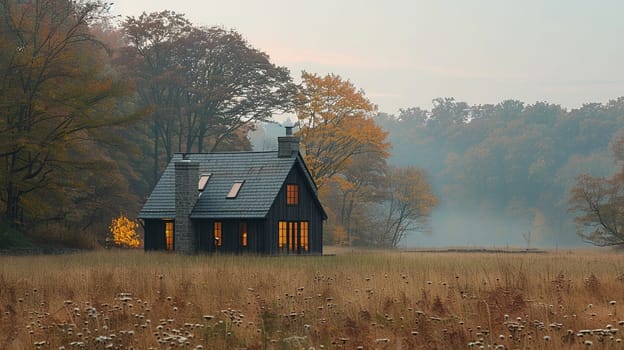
[123,232]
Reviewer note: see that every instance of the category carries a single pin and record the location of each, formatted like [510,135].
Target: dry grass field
[353,300]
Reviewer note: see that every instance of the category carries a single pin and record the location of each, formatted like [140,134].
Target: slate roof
[263,172]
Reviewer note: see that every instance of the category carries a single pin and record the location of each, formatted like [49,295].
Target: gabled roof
[263,172]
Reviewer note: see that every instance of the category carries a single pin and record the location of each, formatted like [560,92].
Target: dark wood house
[236,202]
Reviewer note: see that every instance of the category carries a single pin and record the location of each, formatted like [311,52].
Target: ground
[350,300]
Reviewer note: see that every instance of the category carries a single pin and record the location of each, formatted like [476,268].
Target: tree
[407,206]
[232,86]
[349,195]
[151,61]
[599,203]
[335,125]
[55,91]
[202,85]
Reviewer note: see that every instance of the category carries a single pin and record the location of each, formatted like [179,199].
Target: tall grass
[382,300]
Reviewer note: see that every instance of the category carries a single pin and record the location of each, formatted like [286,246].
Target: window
[236,186]
[217,231]
[282,234]
[203,181]
[242,228]
[293,236]
[169,235]
[304,236]
[292,194]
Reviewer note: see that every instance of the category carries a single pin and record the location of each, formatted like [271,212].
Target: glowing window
[236,186]
[169,235]
[292,236]
[243,233]
[203,181]
[303,239]
[282,234]
[292,194]
[218,233]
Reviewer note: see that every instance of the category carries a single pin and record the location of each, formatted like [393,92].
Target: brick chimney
[186,177]
[287,146]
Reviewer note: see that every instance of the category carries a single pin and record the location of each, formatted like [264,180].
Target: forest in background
[504,172]
[92,111]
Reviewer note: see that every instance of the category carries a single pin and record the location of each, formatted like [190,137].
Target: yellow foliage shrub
[123,231]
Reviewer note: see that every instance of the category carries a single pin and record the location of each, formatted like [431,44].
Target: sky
[405,53]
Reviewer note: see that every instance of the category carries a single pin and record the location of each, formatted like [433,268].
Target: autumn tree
[335,125]
[343,147]
[55,91]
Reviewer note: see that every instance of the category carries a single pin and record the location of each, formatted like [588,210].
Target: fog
[479,228]
[474,221]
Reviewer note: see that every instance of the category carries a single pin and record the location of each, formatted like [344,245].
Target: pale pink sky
[406,53]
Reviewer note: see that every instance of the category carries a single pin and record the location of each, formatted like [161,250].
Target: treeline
[512,163]
[91,112]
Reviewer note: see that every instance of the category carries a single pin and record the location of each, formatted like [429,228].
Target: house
[236,202]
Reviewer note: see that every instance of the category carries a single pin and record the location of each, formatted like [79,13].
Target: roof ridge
[221,152]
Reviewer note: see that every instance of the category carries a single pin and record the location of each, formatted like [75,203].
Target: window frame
[217,233]
[292,194]
[293,236]
[203,181]
[235,189]
[169,235]
[304,235]
[244,234]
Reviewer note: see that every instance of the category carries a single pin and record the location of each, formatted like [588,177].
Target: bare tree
[599,203]
[407,207]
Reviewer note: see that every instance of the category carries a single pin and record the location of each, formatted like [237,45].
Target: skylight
[236,186]
[203,181]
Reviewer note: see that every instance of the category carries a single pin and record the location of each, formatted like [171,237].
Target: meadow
[352,300]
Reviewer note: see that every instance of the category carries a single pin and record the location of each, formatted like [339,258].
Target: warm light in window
[236,186]
[218,233]
[293,236]
[243,233]
[292,194]
[304,236]
[282,234]
[169,235]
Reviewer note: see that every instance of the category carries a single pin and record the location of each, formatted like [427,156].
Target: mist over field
[478,228]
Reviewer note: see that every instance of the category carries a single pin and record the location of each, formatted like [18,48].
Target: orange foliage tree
[124,232]
[345,150]
[335,125]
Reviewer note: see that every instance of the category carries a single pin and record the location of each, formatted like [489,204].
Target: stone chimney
[186,177]
[287,146]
